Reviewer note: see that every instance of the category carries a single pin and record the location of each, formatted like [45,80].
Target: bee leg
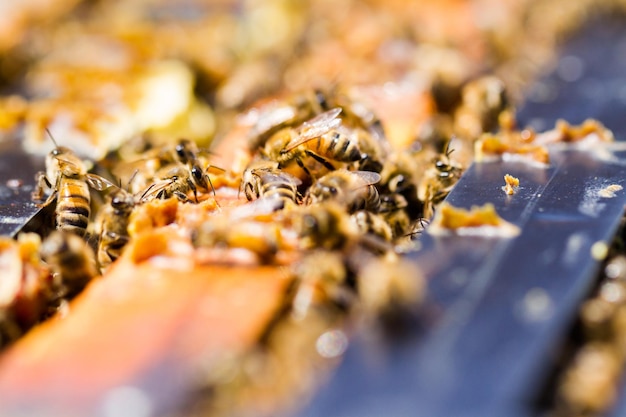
[211,184]
[193,188]
[304,168]
[321,160]
[49,200]
[182,196]
[42,184]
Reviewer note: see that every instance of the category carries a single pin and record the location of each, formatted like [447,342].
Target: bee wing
[268,117]
[98,183]
[155,188]
[126,171]
[280,176]
[316,127]
[368,177]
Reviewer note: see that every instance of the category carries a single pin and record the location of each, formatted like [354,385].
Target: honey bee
[368,222]
[173,181]
[325,226]
[400,176]
[318,139]
[187,154]
[72,260]
[321,278]
[68,181]
[355,113]
[114,226]
[262,239]
[389,286]
[373,153]
[265,181]
[393,211]
[139,173]
[438,181]
[177,180]
[170,167]
[354,189]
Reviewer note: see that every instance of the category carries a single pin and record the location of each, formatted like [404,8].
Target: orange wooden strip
[145,325]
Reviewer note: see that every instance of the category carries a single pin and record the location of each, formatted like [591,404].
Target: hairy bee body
[73,205]
[321,281]
[263,240]
[173,181]
[317,140]
[67,178]
[188,154]
[393,209]
[368,222]
[335,145]
[264,180]
[438,182]
[72,260]
[114,227]
[325,225]
[354,189]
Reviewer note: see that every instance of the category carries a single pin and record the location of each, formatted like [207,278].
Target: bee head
[182,151]
[197,173]
[120,200]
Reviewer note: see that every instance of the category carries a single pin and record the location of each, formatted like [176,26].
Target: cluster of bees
[319,168]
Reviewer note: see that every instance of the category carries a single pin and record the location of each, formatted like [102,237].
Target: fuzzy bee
[72,259]
[264,180]
[317,141]
[68,182]
[438,181]
[113,226]
[353,189]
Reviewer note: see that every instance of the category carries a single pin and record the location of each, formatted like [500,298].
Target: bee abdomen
[73,207]
[369,201]
[348,151]
[280,191]
[339,148]
[373,199]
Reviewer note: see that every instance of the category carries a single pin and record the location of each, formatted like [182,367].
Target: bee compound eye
[180,151]
[117,202]
[196,171]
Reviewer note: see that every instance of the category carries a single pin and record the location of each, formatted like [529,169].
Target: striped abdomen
[278,187]
[336,146]
[366,198]
[72,212]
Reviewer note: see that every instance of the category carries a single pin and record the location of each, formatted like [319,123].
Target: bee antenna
[130,180]
[56,145]
[147,191]
[446,149]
